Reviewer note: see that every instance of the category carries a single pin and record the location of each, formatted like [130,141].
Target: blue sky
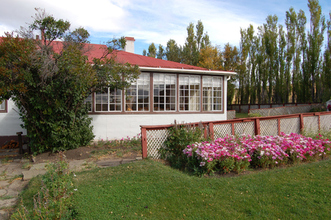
[154,20]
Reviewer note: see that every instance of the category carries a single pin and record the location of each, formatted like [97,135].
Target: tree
[160,53]
[326,77]
[195,41]
[210,58]
[151,50]
[173,51]
[49,88]
[315,41]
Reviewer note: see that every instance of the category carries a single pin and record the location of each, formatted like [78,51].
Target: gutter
[200,72]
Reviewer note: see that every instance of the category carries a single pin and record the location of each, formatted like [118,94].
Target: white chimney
[129,47]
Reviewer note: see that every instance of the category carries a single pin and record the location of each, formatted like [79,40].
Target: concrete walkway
[15,175]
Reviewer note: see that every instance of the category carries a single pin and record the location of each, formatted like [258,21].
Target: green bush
[179,137]
[54,199]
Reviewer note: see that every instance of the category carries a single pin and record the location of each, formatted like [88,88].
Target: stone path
[15,175]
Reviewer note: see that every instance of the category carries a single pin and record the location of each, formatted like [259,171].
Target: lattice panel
[221,130]
[290,125]
[231,114]
[325,122]
[282,110]
[269,127]
[155,140]
[310,124]
[244,128]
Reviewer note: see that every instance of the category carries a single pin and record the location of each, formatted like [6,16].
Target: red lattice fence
[153,137]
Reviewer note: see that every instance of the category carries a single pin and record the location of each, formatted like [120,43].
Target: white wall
[118,126]
[10,122]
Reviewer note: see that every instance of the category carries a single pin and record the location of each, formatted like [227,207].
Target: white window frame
[139,90]
[106,99]
[169,95]
[213,83]
[194,101]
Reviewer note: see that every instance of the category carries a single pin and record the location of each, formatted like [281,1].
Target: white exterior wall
[113,126]
[118,126]
[10,122]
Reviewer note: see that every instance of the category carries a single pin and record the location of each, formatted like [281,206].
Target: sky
[154,21]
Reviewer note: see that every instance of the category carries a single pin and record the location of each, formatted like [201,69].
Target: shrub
[53,201]
[179,137]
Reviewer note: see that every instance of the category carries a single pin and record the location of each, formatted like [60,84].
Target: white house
[165,91]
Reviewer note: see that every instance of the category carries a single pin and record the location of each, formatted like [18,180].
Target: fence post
[144,142]
[205,131]
[232,128]
[211,130]
[278,122]
[301,123]
[257,127]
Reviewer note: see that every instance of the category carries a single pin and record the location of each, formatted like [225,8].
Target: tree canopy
[49,86]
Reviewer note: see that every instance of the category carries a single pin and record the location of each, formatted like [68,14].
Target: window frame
[145,81]
[165,97]
[221,97]
[108,103]
[189,97]
[149,75]
[5,104]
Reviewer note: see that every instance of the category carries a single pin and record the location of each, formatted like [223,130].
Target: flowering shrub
[236,154]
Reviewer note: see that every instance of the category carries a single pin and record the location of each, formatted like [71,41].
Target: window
[189,93]
[212,93]
[137,95]
[164,92]
[108,100]
[3,106]
[88,103]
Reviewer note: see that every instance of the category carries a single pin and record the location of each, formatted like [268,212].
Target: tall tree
[315,41]
[291,55]
[210,58]
[195,41]
[230,60]
[173,51]
[152,50]
[326,77]
[160,52]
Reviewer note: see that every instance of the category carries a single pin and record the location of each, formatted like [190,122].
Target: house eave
[191,71]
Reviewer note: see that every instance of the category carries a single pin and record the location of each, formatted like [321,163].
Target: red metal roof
[98,50]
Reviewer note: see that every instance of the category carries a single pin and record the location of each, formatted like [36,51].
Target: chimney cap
[130,38]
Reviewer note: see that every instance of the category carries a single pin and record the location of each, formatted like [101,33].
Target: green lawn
[151,190]
[241,115]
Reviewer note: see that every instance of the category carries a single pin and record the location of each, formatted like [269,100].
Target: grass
[116,147]
[149,189]
[241,115]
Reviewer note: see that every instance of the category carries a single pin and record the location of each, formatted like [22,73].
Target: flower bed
[237,154]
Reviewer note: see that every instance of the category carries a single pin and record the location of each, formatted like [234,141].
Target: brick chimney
[129,47]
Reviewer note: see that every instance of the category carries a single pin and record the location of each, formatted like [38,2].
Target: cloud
[149,20]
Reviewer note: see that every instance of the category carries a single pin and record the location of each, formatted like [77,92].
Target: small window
[88,103]
[137,95]
[3,106]
[164,92]
[189,93]
[212,93]
[108,100]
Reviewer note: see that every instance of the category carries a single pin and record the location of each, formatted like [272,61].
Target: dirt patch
[91,152]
